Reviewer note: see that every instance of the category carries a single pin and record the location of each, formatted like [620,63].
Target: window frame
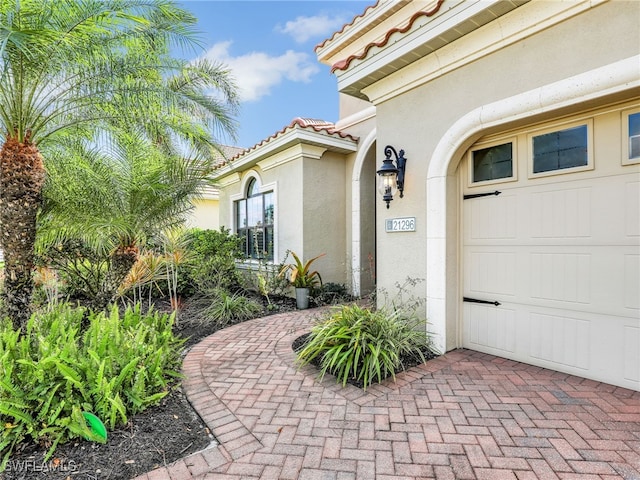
[494,143]
[558,127]
[625,114]
[262,191]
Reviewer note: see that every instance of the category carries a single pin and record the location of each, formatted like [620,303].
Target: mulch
[154,438]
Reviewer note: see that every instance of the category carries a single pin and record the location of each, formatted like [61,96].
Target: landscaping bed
[154,438]
[157,437]
[407,361]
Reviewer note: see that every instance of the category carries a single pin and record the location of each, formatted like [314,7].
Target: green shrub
[263,277]
[81,269]
[212,261]
[331,294]
[116,367]
[362,344]
[224,308]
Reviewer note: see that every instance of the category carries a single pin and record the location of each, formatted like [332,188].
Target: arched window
[254,221]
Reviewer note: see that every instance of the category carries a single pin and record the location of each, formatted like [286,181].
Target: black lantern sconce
[391,177]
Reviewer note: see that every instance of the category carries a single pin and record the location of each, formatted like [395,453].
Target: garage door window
[561,149]
[634,138]
[492,163]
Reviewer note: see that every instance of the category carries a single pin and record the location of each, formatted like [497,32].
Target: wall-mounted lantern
[391,176]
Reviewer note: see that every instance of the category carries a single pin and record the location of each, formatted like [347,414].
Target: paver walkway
[464,415]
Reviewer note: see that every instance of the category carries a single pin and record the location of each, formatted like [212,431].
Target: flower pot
[302,298]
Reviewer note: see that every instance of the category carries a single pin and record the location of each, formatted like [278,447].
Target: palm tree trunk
[21,178]
[120,263]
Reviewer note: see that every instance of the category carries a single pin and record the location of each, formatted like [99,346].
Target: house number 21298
[405,224]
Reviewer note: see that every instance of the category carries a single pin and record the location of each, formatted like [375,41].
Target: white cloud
[256,73]
[303,28]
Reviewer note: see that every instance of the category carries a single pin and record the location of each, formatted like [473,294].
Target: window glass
[254,211]
[560,149]
[241,213]
[634,135]
[253,188]
[268,208]
[254,217]
[493,162]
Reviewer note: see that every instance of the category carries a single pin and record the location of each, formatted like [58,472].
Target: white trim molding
[356,217]
[520,23]
[607,81]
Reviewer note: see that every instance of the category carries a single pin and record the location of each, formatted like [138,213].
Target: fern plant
[116,367]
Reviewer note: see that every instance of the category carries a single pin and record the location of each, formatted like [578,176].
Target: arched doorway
[363,231]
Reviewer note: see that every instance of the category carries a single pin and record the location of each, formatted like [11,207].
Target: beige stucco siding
[417,120]
[289,208]
[308,220]
[360,194]
[205,215]
[324,215]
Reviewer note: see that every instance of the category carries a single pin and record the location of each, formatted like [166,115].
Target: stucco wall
[324,215]
[359,186]
[301,185]
[349,105]
[205,215]
[417,120]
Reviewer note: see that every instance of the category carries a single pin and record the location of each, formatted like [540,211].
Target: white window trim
[494,143]
[264,188]
[625,137]
[556,127]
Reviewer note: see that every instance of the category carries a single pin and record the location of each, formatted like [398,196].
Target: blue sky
[269,46]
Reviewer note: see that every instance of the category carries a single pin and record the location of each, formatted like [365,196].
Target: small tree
[69,65]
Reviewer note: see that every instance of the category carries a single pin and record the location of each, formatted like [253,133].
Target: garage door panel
[602,347]
[632,283]
[564,277]
[491,329]
[569,212]
[560,213]
[493,217]
[560,339]
[562,256]
[599,279]
[632,209]
[631,353]
[606,212]
[495,273]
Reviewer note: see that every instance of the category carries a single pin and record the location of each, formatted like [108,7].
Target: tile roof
[344,64]
[312,124]
[347,25]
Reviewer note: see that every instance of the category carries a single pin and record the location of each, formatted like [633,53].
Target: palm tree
[67,68]
[115,200]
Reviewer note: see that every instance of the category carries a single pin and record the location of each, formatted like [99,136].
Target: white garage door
[551,265]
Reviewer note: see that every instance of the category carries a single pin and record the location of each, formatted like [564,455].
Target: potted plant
[302,278]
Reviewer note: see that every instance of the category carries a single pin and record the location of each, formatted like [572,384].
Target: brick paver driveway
[464,415]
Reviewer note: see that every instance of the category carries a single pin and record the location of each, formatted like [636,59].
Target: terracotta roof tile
[298,122]
[344,64]
[347,25]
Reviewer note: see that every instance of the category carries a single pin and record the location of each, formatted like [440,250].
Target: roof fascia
[454,19]
[308,142]
[518,24]
[348,38]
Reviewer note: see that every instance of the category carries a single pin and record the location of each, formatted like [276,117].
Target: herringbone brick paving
[464,415]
